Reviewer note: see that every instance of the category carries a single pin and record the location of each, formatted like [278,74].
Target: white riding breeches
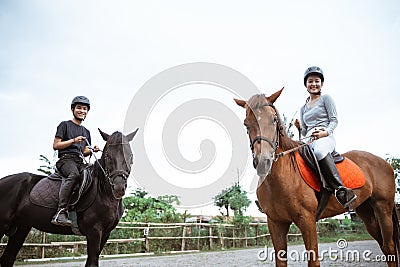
[323,146]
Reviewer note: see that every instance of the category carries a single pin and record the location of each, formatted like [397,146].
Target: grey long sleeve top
[321,114]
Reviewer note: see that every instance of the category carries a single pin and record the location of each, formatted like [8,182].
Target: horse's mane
[285,142]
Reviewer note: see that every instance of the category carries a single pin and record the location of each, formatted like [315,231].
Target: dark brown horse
[18,215]
[286,198]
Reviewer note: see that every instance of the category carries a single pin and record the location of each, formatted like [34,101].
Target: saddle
[351,174]
[45,192]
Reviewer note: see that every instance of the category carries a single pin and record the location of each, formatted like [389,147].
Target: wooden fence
[206,235]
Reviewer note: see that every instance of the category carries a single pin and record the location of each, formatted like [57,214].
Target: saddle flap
[46,192]
[350,173]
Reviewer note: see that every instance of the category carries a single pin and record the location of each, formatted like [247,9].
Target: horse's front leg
[308,228]
[93,238]
[104,239]
[14,244]
[279,231]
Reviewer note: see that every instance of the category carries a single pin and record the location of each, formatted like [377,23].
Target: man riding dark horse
[72,141]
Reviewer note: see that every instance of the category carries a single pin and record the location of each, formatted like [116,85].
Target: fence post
[233,237]
[245,235]
[257,234]
[221,239]
[183,238]
[146,232]
[198,239]
[210,234]
[43,241]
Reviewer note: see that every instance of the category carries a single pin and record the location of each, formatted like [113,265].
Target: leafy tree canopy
[143,208]
[234,198]
[46,166]
[394,162]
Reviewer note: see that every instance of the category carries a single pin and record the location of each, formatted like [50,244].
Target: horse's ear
[130,136]
[241,103]
[104,135]
[272,98]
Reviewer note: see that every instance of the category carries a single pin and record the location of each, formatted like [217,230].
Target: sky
[51,51]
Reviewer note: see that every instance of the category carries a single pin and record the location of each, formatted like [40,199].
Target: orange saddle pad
[352,175]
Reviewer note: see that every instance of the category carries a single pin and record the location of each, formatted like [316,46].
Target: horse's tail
[396,233]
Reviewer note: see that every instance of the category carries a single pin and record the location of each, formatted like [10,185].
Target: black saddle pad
[45,193]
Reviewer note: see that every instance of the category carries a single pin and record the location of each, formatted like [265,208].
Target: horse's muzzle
[262,164]
[118,194]
[118,191]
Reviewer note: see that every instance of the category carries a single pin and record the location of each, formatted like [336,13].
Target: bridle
[113,174]
[278,132]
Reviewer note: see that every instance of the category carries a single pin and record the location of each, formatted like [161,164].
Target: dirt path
[358,253]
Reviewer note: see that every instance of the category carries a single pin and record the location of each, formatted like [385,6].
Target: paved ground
[359,253]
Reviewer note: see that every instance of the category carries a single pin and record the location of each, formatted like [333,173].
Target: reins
[114,173]
[279,155]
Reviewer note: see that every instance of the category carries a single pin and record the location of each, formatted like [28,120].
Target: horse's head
[117,160]
[263,127]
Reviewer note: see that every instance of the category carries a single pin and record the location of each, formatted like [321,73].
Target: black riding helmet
[80,100]
[314,70]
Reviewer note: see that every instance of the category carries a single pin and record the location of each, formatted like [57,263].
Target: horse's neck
[284,168]
[286,143]
[103,186]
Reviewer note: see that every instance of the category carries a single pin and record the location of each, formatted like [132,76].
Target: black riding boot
[344,195]
[61,216]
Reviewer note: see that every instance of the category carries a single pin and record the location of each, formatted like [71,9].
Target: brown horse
[285,197]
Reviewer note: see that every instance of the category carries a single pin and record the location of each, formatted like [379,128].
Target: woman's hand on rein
[320,133]
[297,124]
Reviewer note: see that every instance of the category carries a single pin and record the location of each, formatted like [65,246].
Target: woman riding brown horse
[285,197]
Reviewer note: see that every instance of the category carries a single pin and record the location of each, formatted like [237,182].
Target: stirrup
[345,191]
[348,203]
[55,220]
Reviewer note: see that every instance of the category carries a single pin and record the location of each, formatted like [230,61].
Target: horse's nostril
[255,162]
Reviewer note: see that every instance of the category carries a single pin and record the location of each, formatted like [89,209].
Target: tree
[143,208]
[47,167]
[395,163]
[222,200]
[289,125]
[234,198]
